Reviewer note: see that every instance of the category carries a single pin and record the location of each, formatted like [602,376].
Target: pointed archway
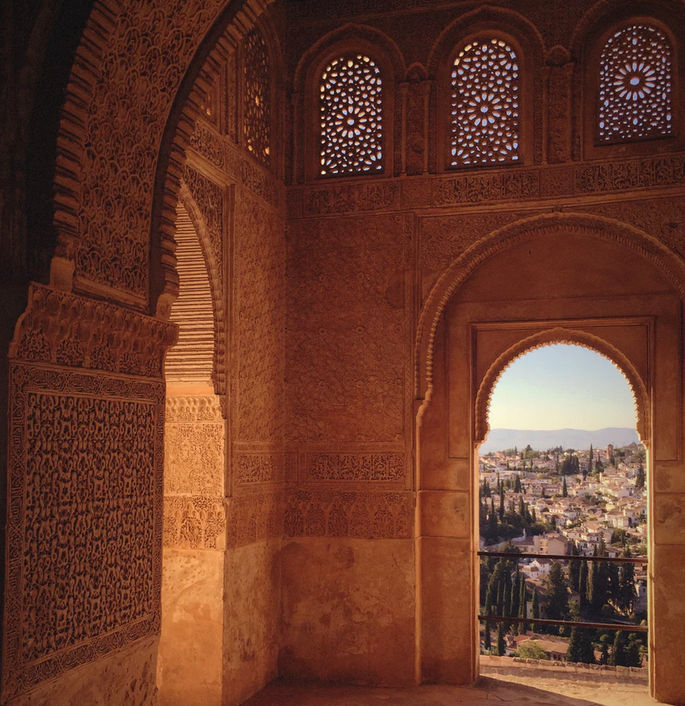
[555,278]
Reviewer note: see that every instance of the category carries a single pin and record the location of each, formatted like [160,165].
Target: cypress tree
[535,608]
[632,655]
[564,489]
[594,599]
[580,647]
[500,640]
[501,503]
[557,594]
[522,604]
[618,656]
[626,591]
[487,645]
[582,585]
[492,521]
[514,596]
[574,575]
[640,478]
[589,461]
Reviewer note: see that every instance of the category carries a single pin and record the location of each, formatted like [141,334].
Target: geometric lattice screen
[350,111]
[257,117]
[635,85]
[484,112]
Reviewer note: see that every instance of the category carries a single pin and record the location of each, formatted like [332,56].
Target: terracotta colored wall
[363,257]
[326,460]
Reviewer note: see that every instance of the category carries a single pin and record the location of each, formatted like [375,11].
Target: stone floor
[547,691]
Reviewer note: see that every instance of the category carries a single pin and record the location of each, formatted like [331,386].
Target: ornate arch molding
[126,79]
[586,45]
[527,41]
[179,133]
[605,13]
[350,37]
[215,285]
[522,231]
[561,334]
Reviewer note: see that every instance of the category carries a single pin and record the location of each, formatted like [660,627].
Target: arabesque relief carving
[260,320]
[87,447]
[194,457]
[351,347]
[258,467]
[110,141]
[493,185]
[123,122]
[193,408]
[352,197]
[349,514]
[220,152]
[209,198]
[386,466]
[194,522]
[74,331]
[254,517]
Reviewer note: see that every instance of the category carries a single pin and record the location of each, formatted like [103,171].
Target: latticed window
[351,103]
[485,104]
[257,124]
[635,85]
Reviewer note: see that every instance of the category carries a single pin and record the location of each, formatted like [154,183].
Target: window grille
[351,103]
[257,119]
[635,85]
[484,115]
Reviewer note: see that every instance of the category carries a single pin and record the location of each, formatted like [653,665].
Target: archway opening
[562,473]
[190,648]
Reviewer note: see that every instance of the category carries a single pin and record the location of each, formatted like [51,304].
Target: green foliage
[570,465]
[531,650]
[640,478]
[580,647]
[557,593]
[500,640]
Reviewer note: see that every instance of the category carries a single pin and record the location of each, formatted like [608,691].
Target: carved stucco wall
[85,474]
[87,390]
[362,258]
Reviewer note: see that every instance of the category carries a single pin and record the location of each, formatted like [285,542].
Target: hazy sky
[561,386]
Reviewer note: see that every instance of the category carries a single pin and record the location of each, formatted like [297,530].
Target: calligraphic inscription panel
[85,483]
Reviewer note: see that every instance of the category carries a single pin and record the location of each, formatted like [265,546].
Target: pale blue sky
[561,386]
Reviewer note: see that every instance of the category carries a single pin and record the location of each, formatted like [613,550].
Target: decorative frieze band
[72,331]
[491,186]
[255,467]
[355,466]
[193,408]
[220,152]
[349,514]
[254,517]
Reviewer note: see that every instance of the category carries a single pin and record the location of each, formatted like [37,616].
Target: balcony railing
[630,627]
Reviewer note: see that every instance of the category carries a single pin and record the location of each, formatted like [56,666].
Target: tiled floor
[489,691]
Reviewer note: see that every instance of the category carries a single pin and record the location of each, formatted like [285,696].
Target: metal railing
[596,625]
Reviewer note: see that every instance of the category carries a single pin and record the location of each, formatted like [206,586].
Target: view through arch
[563,473]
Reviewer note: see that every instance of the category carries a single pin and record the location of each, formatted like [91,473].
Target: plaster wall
[125,675]
[362,632]
[318,376]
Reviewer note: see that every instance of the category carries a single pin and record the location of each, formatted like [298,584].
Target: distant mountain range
[543,439]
